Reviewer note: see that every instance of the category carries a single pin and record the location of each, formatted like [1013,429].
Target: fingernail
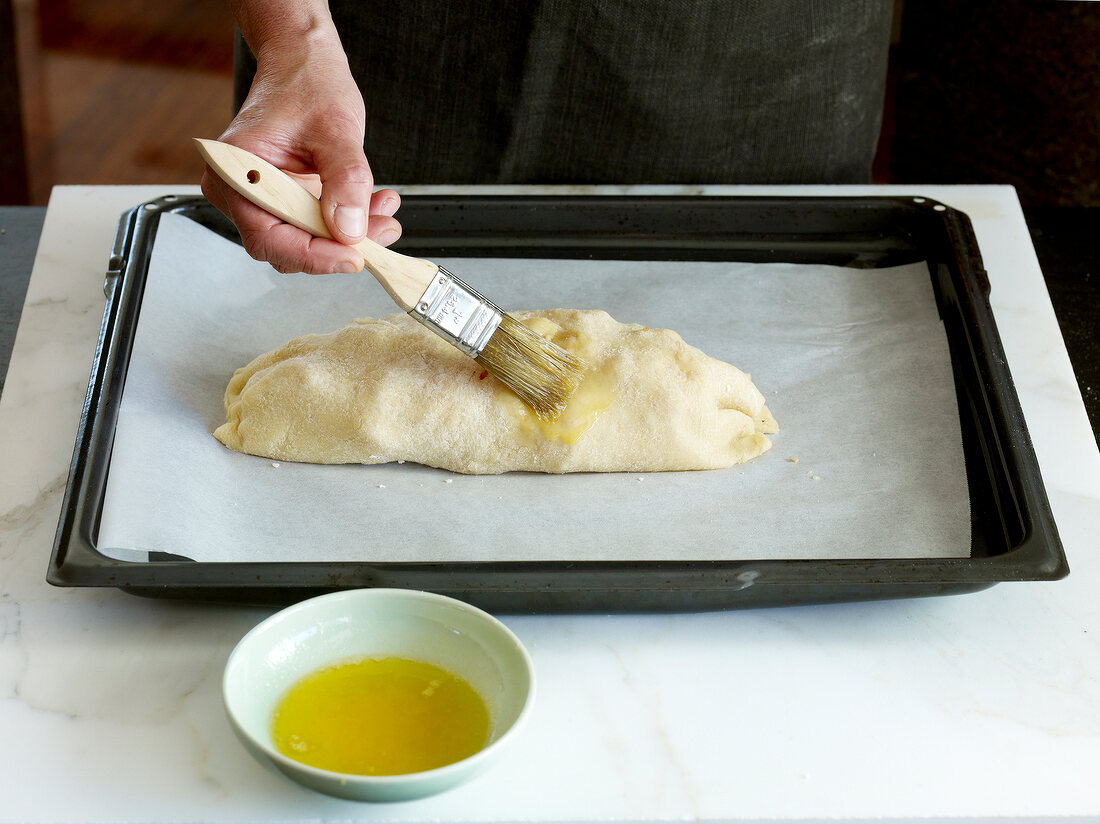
[388,237]
[346,267]
[389,206]
[351,220]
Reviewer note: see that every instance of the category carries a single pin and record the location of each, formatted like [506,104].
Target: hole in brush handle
[253,176]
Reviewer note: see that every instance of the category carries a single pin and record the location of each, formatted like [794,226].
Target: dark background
[980,91]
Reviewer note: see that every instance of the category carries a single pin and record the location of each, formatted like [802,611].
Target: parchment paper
[854,364]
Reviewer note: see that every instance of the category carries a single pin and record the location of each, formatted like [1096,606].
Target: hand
[305,115]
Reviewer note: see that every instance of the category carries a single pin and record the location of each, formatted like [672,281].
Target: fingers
[385,202]
[383,229]
[289,249]
[352,212]
[346,184]
[265,237]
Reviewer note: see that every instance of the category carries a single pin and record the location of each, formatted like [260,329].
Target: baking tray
[1014,537]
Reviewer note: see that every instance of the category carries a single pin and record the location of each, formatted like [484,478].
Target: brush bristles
[540,372]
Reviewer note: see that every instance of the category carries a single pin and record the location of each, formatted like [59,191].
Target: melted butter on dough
[593,396]
[387,390]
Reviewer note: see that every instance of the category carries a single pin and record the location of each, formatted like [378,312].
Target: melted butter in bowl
[380,716]
[378,694]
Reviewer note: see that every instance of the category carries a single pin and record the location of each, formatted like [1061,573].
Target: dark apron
[613,91]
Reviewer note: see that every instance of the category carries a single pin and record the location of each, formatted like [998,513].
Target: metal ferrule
[458,313]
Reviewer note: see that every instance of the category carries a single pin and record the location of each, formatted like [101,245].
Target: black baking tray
[1014,537]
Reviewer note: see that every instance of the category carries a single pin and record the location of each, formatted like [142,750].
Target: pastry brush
[538,371]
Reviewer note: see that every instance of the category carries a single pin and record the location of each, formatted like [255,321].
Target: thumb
[346,184]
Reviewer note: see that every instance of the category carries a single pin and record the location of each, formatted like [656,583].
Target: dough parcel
[382,390]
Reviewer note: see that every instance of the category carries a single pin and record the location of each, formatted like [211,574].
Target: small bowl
[378,622]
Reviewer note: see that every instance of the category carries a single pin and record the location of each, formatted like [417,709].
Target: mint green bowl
[378,622]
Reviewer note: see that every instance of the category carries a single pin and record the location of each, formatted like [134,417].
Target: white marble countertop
[973,707]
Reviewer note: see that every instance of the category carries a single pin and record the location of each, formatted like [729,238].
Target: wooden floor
[112,90]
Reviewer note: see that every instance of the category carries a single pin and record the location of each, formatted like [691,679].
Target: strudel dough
[387,390]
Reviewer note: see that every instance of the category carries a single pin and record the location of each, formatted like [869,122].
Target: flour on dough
[387,390]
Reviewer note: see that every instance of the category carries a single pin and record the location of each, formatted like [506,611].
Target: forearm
[272,27]
[300,66]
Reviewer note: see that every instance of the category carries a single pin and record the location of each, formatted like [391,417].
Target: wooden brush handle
[405,278]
